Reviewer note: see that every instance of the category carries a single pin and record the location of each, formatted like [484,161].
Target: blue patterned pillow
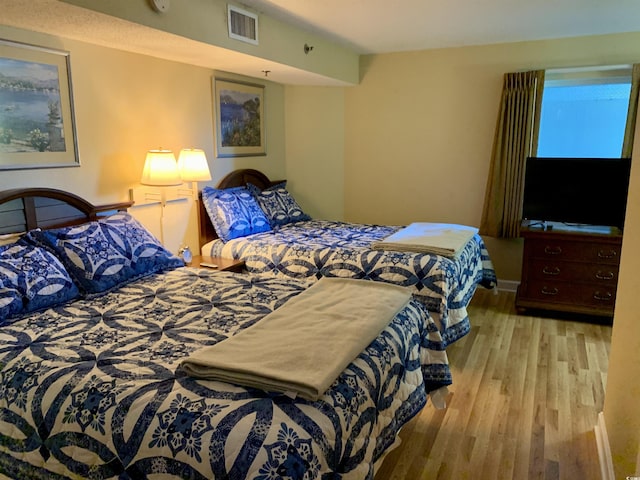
[278,205]
[103,255]
[31,278]
[234,212]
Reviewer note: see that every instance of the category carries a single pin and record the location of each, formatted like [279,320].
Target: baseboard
[604,452]
[508,285]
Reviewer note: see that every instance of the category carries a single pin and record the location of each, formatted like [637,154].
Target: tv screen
[576,191]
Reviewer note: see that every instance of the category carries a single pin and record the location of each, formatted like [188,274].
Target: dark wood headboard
[23,209]
[237,178]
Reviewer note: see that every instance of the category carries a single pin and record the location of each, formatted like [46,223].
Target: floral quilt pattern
[92,389]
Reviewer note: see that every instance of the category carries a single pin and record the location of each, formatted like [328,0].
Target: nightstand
[221,264]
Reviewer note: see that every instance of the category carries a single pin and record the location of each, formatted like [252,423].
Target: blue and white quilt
[316,248]
[92,389]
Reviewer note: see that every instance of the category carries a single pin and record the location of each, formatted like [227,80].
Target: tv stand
[569,268]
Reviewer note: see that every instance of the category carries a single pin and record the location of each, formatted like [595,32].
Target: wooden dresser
[571,269]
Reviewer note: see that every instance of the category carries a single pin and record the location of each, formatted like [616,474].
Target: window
[584,112]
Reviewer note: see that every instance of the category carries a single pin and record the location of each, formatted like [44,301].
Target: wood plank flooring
[523,405]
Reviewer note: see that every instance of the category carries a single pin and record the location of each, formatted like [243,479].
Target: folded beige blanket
[445,239]
[303,346]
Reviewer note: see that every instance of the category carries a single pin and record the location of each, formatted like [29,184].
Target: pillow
[278,205]
[9,238]
[31,278]
[105,254]
[234,212]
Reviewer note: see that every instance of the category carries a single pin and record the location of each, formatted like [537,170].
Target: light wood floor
[523,405]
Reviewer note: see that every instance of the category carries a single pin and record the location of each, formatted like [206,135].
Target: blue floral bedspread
[317,248]
[92,389]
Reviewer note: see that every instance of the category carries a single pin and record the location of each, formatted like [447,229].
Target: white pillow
[8,238]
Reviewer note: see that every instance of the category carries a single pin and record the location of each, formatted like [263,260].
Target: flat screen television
[576,191]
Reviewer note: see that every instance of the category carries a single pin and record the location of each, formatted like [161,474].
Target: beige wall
[622,395]
[419,129]
[126,104]
[315,149]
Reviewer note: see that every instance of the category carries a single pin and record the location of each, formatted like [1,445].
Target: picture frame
[37,124]
[239,118]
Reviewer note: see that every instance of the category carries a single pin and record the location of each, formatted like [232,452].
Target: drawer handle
[554,250]
[603,297]
[551,271]
[549,291]
[607,254]
[605,276]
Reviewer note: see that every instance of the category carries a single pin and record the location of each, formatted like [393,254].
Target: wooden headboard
[23,209]
[237,178]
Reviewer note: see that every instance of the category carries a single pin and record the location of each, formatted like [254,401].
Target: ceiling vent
[243,25]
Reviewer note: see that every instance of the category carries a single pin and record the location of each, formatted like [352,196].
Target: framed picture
[37,126]
[239,118]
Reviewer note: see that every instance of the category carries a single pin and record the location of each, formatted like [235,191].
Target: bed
[301,247]
[91,384]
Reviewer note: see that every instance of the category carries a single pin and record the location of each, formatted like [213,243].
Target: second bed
[309,248]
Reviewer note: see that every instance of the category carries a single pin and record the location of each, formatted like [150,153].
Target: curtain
[515,139]
[629,131]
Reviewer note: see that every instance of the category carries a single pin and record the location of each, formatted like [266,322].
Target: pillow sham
[278,205]
[31,278]
[105,254]
[234,212]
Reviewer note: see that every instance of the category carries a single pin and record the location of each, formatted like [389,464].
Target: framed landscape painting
[239,118]
[37,126]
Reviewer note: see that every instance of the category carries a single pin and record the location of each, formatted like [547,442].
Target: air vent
[243,25]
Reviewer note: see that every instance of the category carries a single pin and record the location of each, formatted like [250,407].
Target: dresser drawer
[596,296]
[603,253]
[569,269]
[550,270]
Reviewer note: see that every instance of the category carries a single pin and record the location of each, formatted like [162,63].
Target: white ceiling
[383,26]
[365,26]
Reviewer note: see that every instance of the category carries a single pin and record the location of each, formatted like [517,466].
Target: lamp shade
[193,165]
[160,169]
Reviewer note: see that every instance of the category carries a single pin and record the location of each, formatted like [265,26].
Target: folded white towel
[445,239]
[303,346]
